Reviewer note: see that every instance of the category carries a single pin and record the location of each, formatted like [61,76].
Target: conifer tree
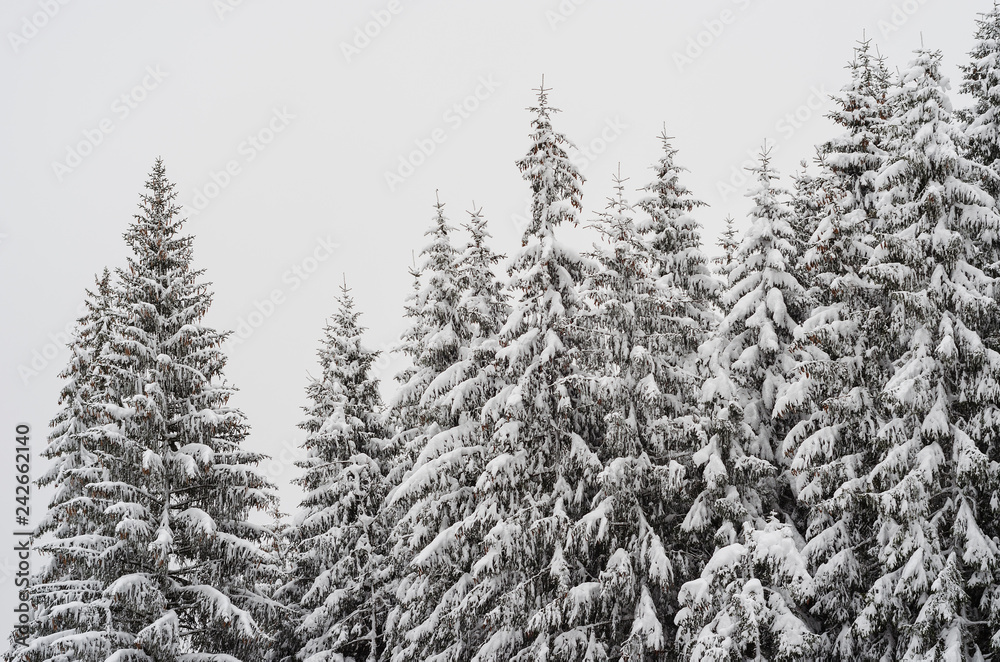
[339,541]
[674,236]
[539,451]
[483,307]
[432,618]
[742,483]
[808,200]
[174,565]
[687,285]
[841,383]
[431,342]
[627,534]
[981,81]
[722,264]
[931,485]
[66,579]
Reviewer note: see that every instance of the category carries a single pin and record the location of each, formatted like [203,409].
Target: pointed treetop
[726,237]
[765,173]
[672,197]
[765,158]
[158,202]
[619,182]
[476,227]
[665,139]
[555,180]
[543,109]
[541,89]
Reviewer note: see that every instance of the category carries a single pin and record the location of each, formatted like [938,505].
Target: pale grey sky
[307,140]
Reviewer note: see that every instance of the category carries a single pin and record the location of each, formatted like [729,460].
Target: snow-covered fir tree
[338,539]
[431,342]
[483,307]
[627,535]
[750,596]
[934,484]
[433,619]
[172,560]
[809,197]
[686,282]
[831,446]
[64,593]
[539,452]
[722,264]
[981,81]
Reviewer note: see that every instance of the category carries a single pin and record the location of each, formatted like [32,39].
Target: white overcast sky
[310,113]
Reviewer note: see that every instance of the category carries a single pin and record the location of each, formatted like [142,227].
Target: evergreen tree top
[981,81]
[766,195]
[673,234]
[153,234]
[619,222]
[763,259]
[479,233]
[440,253]
[669,198]
[923,87]
[346,318]
[728,242]
[926,142]
[343,334]
[555,180]
[870,78]
[432,339]
[980,75]
[438,276]
[478,259]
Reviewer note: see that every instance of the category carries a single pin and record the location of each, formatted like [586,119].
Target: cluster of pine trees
[790,452]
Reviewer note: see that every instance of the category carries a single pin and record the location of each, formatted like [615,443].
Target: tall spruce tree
[722,264]
[809,198]
[747,599]
[981,81]
[627,533]
[528,491]
[687,285]
[173,564]
[841,384]
[932,486]
[431,342]
[64,592]
[433,619]
[338,539]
